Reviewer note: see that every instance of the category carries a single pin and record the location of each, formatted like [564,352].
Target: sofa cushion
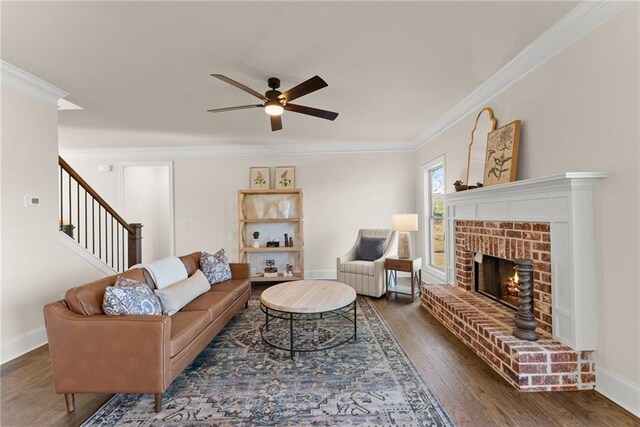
[87,299]
[366,268]
[237,286]
[370,248]
[191,262]
[182,293]
[130,297]
[215,267]
[214,303]
[185,327]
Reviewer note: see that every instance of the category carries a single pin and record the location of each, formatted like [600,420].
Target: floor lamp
[404,224]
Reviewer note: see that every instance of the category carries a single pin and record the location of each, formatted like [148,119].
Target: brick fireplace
[508,240]
[549,221]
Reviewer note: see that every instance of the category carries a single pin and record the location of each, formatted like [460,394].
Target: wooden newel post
[135,245]
[525,322]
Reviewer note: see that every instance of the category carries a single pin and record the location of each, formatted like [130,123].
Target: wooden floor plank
[471,392]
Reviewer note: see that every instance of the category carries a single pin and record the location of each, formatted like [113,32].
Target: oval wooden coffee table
[307,300]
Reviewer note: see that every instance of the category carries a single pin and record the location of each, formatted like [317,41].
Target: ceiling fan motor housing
[273,82]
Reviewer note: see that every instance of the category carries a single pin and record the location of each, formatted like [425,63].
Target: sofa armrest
[240,270]
[108,354]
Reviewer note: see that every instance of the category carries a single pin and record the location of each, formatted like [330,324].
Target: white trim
[252,149]
[24,343]
[431,273]
[74,247]
[320,274]
[172,211]
[581,20]
[614,387]
[30,85]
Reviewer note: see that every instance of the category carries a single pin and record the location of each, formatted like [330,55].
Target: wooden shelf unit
[246,216]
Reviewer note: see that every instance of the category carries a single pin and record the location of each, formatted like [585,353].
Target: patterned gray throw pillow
[215,267]
[130,297]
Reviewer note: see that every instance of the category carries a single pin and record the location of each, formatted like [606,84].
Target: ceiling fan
[275,102]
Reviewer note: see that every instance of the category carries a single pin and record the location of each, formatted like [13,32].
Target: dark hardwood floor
[472,393]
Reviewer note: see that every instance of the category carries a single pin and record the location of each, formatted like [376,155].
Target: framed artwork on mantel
[501,162]
[285,177]
[259,178]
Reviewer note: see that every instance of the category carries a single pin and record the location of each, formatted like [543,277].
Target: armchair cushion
[366,268]
[370,248]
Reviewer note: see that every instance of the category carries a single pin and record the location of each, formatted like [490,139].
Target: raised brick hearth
[509,240]
[486,327]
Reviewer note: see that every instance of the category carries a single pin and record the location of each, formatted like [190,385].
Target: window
[434,184]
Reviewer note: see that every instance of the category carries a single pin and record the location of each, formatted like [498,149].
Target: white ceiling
[141,69]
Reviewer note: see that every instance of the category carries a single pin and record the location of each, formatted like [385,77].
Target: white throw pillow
[176,296]
[166,271]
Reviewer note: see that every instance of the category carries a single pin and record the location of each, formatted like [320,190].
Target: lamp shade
[405,222]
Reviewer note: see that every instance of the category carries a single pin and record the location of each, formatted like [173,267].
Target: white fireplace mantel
[566,201]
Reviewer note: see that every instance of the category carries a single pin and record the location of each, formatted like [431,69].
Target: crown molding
[580,20]
[30,85]
[247,149]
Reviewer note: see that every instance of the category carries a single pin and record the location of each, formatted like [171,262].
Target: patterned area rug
[238,380]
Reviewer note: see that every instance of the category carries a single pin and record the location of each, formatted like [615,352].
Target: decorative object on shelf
[501,163]
[290,241]
[67,228]
[459,186]
[289,270]
[272,213]
[286,240]
[270,270]
[526,323]
[256,243]
[273,243]
[256,235]
[258,206]
[284,206]
[404,223]
[285,177]
[485,124]
[259,178]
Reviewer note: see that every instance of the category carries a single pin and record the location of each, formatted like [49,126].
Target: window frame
[432,273]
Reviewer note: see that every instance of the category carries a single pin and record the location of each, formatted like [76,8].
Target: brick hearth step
[486,327]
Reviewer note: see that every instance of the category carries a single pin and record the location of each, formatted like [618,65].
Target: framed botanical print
[501,162]
[259,178]
[285,177]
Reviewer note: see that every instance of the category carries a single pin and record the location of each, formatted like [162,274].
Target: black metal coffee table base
[291,317]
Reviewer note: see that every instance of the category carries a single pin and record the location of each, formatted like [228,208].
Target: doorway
[147,197]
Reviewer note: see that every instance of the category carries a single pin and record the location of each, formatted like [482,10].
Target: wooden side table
[409,265]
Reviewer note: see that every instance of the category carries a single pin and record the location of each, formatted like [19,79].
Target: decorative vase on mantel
[284,206]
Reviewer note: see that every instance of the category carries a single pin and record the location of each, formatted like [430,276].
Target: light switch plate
[32,201]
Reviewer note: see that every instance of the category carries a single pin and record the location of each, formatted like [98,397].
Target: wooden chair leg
[246,304]
[158,402]
[70,400]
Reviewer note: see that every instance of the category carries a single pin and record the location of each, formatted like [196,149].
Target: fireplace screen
[496,279]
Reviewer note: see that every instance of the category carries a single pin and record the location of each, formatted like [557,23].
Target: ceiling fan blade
[304,88]
[315,112]
[276,123]
[240,86]
[240,107]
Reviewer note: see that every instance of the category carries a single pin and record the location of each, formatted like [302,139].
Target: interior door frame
[169,164]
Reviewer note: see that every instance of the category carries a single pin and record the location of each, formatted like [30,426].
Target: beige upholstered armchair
[367,277]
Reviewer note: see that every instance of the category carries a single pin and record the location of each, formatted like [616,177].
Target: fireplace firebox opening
[496,279]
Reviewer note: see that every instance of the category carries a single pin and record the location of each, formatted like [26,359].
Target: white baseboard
[320,274]
[74,247]
[621,391]
[22,344]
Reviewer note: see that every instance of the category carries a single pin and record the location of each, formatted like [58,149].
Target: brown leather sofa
[95,353]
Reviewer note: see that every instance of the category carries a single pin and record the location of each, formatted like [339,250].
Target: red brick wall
[509,240]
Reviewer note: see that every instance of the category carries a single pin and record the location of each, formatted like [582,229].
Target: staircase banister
[64,165]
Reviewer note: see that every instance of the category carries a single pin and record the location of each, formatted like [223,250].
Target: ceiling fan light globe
[273,109]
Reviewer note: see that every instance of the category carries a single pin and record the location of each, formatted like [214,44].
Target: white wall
[580,112]
[342,193]
[36,268]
